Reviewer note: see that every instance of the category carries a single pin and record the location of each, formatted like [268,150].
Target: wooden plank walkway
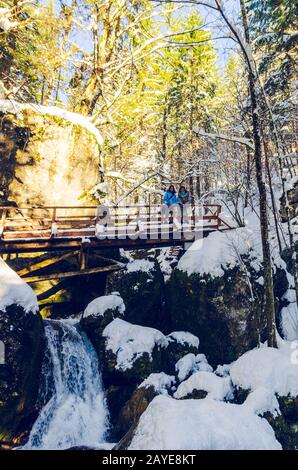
[69,228]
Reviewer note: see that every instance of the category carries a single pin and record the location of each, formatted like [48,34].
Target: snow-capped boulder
[46,148]
[22,343]
[180,343]
[268,379]
[194,424]
[216,294]
[191,363]
[202,384]
[131,352]
[141,285]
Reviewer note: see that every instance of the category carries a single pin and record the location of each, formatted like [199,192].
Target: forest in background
[147,74]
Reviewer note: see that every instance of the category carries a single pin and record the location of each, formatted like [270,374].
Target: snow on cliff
[101,304]
[13,290]
[14,107]
[129,342]
[201,425]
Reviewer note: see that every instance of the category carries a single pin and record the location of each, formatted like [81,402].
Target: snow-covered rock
[191,363]
[100,305]
[220,251]
[15,291]
[160,381]
[201,425]
[216,387]
[184,337]
[130,342]
[140,265]
[269,368]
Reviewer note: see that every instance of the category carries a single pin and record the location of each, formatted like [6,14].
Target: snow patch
[270,368]
[218,251]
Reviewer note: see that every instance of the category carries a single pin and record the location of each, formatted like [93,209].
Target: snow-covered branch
[230,138]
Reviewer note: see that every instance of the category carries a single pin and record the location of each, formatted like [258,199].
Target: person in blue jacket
[170,197]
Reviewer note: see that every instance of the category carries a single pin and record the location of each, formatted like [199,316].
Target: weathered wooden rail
[68,228]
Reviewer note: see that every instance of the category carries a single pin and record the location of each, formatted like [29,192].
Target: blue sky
[223,46]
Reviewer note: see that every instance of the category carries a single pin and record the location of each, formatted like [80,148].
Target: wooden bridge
[80,229]
[62,228]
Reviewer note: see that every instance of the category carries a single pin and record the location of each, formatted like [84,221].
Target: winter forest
[148,225]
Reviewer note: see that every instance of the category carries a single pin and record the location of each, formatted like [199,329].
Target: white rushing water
[76,413]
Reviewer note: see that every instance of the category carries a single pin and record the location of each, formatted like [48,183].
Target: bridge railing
[87,221]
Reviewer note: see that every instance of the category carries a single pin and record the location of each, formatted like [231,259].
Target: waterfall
[74,411]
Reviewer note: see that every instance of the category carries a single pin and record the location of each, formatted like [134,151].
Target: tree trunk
[267,264]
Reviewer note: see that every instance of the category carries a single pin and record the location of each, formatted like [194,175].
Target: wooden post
[2,223]
[54,225]
[218,212]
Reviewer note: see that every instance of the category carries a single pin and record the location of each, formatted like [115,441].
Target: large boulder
[219,310]
[22,340]
[216,292]
[141,285]
[97,315]
[131,352]
[266,382]
[44,149]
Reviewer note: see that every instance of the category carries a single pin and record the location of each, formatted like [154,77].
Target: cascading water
[74,413]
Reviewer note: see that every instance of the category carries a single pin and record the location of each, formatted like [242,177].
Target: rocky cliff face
[46,158]
[23,337]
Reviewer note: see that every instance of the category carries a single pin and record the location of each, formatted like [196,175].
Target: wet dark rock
[285,425]
[131,412]
[218,310]
[116,396]
[23,337]
[143,295]
[141,368]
